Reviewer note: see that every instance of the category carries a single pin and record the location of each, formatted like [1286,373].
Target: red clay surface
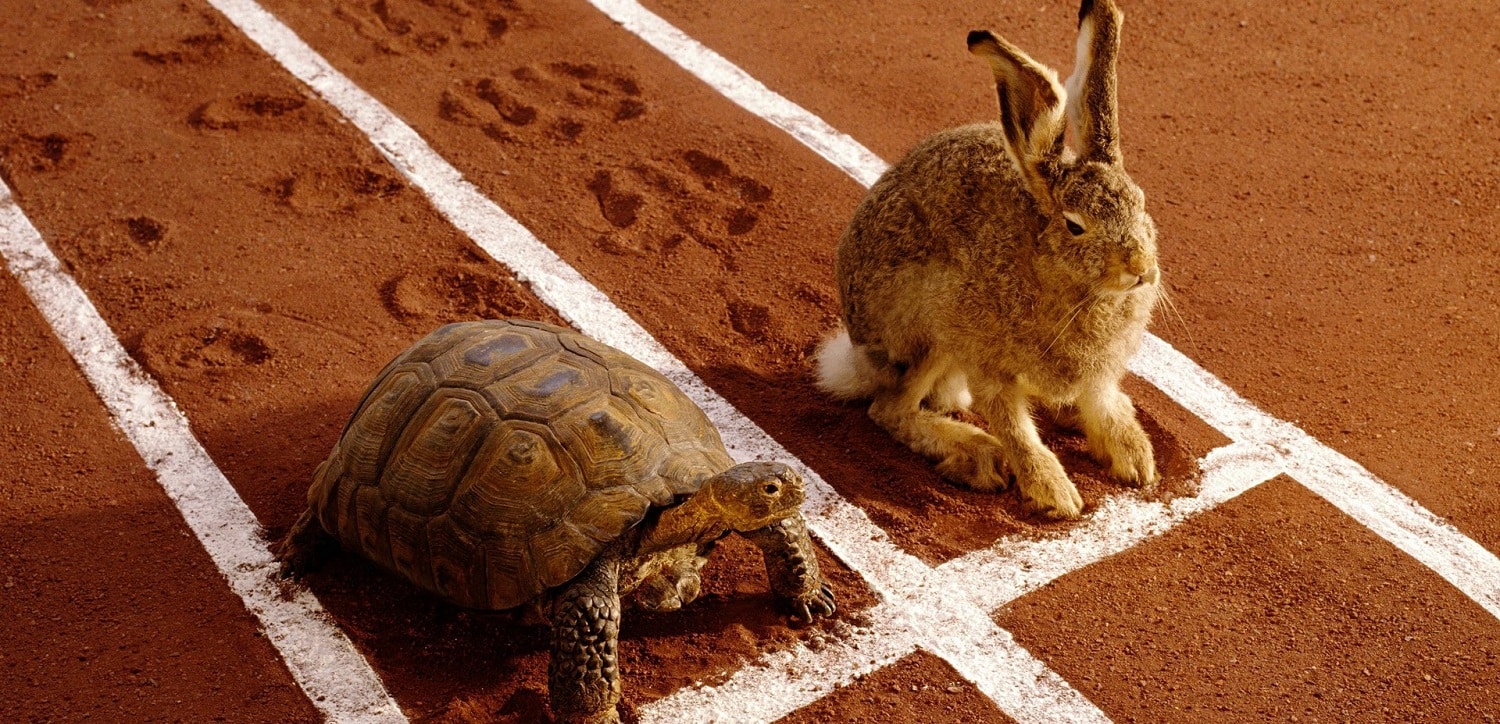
[111,608]
[1324,178]
[1261,611]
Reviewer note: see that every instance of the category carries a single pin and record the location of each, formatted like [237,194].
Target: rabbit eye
[1073,227]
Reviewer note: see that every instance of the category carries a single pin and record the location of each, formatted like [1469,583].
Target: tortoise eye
[1073,227]
[772,488]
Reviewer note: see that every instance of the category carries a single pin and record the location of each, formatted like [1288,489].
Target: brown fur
[959,268]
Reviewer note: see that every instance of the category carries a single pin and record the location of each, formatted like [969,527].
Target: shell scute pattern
[643,392]
[494,460]
[377,424]
[410,554]
[610,444]
[512,578]
[686,473]
[655,489]
[369,519]
[439,341]
[482,359]
[599,354]
[521,482]
[559,553]
[543,392]
[660,405]
[424,350]
[605,514]
[435,449]
[457,562]
[344,489]
[323,494]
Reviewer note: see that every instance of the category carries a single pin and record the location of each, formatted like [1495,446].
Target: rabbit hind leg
[964,453]
[951,392]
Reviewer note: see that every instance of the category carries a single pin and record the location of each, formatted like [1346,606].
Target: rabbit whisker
[1172,307]
[1072,315]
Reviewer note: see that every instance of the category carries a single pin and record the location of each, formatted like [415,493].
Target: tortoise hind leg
[305,547]
[583,677]
[678,581]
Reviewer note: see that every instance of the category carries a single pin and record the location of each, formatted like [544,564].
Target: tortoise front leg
[792,566]
[584,674]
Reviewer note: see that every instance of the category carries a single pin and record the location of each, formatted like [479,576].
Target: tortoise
[502,463]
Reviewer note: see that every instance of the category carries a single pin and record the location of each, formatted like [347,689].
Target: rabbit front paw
[977,466]
[1048,492]
[1130,458]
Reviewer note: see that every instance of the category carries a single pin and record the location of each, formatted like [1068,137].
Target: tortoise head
[751,496]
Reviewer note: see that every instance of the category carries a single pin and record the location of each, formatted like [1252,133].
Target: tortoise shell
[493,460]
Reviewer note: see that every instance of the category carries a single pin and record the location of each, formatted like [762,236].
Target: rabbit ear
[1031,108]
[1091,88]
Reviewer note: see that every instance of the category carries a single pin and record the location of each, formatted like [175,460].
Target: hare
[996,267]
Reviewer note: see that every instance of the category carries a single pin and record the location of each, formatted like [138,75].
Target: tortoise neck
[695,520]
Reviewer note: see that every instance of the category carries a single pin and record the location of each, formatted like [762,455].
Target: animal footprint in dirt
[50,152]
[212,344]
[654,208]
[334,189]
[618,207]
[200,48]
[557,102]
[459,291]
[247,110]
[124,238]
[743,193]
[398,27]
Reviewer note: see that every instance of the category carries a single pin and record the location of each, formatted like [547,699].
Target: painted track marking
[988,579]
[986,654]
[336,678]
[1391,514]
[590,311]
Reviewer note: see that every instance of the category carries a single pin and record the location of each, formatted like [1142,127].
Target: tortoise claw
[814,604]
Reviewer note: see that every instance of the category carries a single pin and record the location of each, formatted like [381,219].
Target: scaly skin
[792,567]
[584,674]
[759,500]
[665,581]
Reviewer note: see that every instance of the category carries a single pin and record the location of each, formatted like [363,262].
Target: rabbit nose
[1134,281]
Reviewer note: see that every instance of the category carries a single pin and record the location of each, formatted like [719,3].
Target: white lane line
[324,663]
[798,676]
[1010,569]
[752,95]
[843,527]
[1390,513]
[1375,504]
[1023,687]
[988,579]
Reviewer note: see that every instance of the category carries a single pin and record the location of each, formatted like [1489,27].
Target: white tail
[843,370]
